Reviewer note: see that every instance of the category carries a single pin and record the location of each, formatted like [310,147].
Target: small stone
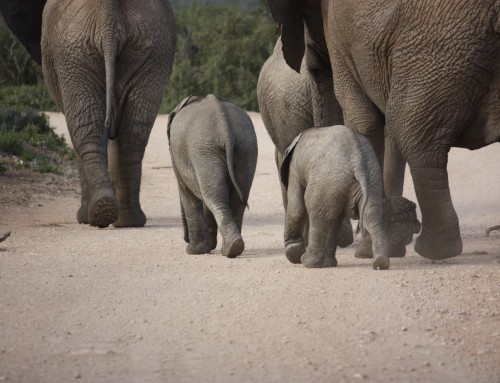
[360,376]
[404,328]
[78,375]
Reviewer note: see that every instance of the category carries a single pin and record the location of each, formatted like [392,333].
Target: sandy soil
[128,305]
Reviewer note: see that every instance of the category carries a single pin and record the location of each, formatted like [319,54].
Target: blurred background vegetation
[220,50]
[221,47]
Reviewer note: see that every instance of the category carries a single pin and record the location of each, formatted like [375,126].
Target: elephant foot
[345,235]
[82,216]
[381,263]
[212,241]
[294,251]
[364,248]
[103,211]
[134,217]
[197,248]
[232,249]
[330,261]
[397,251]
[312,259]
[436,247]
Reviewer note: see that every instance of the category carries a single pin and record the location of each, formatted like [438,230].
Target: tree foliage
[16,66]
[220,50]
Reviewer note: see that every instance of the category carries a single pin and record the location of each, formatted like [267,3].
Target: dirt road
[128,305]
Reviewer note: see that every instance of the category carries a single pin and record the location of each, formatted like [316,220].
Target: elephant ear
[24,19]
[290,18]
[287,157]
[172,114]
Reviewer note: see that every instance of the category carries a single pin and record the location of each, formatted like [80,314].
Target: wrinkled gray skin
[425,73]
[214,154]
[106,63]
[333,174]
[290,102]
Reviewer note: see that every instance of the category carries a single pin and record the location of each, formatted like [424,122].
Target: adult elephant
[425,73]
[106,64]
[291,102]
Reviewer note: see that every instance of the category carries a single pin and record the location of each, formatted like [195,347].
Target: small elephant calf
[214,154]
[332,173]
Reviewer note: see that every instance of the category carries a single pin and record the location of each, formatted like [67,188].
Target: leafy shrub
[27,97]
[11,142]
[28,136]
[220,50]
[17,120]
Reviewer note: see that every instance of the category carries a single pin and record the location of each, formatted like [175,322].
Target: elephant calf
[332,173]
[214,154]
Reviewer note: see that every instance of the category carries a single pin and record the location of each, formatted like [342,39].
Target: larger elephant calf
[213,147]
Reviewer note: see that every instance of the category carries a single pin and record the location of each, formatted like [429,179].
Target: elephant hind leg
[99,206]
[295,220]
[440,234]
[346,236]
[213,178]
[320,251]
[236,246]
[324,226]
[195,222]
[82,215]
[212,227]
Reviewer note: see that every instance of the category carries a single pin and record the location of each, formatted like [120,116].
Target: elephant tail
[361,174]
[110,50]
[228,140]
[109,64]
[230,168]
[184,224]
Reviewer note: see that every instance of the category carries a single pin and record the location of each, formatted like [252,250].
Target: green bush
[27,97]
[11,142]
[18,121]
[28,136]
[220,50]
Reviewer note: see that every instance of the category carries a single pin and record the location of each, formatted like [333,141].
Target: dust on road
[128,305]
